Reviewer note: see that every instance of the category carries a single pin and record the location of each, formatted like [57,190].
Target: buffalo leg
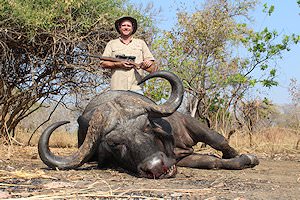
[218,142]
[201,133]
[212,162]
[213,139]
[190,131]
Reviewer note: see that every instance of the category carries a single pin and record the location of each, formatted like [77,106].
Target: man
[124,75]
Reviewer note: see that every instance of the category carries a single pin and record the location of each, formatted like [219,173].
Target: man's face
[126,28]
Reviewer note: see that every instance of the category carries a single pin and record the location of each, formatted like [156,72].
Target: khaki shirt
[127,79]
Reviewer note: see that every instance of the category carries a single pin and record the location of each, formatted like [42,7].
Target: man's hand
[149,66]
[146,64]
[123,65]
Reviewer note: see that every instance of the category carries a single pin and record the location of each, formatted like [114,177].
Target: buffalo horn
[176,96]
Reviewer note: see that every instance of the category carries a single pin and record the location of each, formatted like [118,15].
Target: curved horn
[63,162]
[176,96]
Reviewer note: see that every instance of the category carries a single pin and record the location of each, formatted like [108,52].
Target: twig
[16,185]
[49,117]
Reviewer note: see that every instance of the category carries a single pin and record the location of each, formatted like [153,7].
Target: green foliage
[77,15]
[157,90]
[269,83]
[202,52]
[295,38]
[265,46]
[268,9]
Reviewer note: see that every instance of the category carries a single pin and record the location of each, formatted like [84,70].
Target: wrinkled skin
[125,129]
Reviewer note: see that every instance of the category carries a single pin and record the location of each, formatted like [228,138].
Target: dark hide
[128,130]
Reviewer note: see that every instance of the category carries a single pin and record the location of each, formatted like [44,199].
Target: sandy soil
[23,175]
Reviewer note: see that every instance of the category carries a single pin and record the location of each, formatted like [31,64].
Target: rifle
[120,58]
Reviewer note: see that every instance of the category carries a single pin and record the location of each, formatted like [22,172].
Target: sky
[285,19]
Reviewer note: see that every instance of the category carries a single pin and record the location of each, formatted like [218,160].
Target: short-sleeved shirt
[123,79]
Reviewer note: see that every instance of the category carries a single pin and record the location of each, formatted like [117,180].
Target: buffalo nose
[156,166]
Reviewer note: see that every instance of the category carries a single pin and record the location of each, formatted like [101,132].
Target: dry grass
[58,139]
[272,140]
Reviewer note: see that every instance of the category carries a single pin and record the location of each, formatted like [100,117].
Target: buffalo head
[120,129]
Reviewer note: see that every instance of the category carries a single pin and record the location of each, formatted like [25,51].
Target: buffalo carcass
[128,130]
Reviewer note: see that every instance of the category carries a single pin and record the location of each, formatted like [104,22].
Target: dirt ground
[24,176]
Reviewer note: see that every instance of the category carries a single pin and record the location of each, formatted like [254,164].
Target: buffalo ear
[162,127]
[154,127]
[159,130]
[163,130]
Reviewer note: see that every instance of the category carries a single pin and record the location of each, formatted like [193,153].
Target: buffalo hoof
[250,160]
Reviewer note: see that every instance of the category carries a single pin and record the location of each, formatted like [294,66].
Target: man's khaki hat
[133,21]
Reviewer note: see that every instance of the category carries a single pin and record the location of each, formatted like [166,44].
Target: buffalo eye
[147,128]
[119,147]
[111,143]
